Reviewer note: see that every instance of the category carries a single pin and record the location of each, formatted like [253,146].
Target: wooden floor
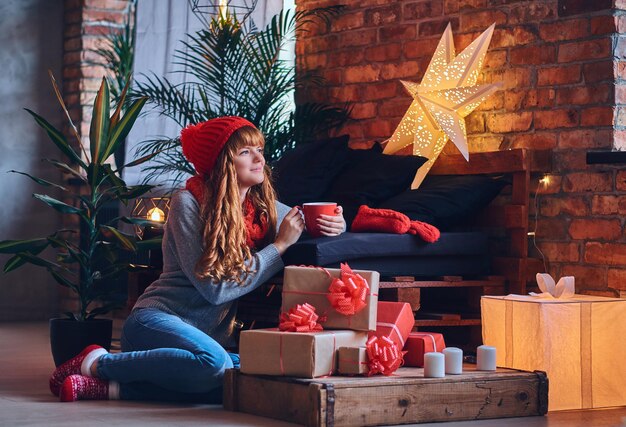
[25,364]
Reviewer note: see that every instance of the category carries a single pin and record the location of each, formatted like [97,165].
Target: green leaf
[126,241]
[40,181]
[121,129]
[99,130]
[146,245]
[142,222]
[57,138]
[65,168]
[41,262]
[141,160]
[63,281]
[14,263]
[104,309]
[58,205]
[17,246]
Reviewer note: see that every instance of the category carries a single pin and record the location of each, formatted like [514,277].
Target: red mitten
[381,220]
[428,233]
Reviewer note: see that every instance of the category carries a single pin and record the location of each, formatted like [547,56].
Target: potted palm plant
[89,264]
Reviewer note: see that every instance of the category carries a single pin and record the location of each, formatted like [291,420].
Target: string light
[544,182]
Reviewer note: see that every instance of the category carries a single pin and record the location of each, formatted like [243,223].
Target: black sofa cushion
[447,200]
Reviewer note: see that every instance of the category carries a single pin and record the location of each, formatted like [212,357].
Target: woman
[221,241]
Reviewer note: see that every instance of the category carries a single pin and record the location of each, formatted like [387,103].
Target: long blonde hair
[224,235]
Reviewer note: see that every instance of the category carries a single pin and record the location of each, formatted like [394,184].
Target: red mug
[312,212]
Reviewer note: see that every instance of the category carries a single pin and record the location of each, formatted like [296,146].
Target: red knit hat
[203,142]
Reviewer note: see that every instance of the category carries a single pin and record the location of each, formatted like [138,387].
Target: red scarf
[256,224]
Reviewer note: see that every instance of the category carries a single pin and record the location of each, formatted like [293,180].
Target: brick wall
[562,91]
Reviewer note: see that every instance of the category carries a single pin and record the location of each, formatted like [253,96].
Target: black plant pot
[69,337]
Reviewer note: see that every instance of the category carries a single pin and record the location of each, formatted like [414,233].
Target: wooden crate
[406,397]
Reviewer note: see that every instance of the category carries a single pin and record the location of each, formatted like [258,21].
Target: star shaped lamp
[447,94]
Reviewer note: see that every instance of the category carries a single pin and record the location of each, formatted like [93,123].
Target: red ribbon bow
[301,318]
[348,294]
[383,356]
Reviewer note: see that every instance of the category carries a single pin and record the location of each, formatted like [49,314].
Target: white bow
[563,289]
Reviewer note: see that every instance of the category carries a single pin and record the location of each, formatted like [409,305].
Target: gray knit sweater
[207,306]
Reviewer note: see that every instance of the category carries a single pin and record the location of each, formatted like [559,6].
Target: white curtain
[162,26]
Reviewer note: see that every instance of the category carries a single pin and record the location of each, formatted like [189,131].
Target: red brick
[620,47]
[345,93]
[588,181]
[393,108]
[481,20]
[420,48]
[509,122]
[616,278]
[383,15]
[406,70]
[605,253]
[495,59]
[619,140]
[621,70]
[516,100]
[314,61]
[620,94]
[551,184]
[397,33]
[585,138]
[363,110]
[577,7]
[608,205]
[363,73]
[585,50]
[570,29]
[620,24]
[598,71]
[558,75]
[512,78]
[525,13]
[620,116]
[536,55]
[107,4]
[423,9]
[569,160]
[556,119]
[321,44]
[560,252]
[475,123]
[538,141]
[493,102]
[570,206]
[620,181]
[603,25]
[581,95]
[437,27]
[340,59]
[597,116]
[92,15]
[382,53]
[373,92]
[595,229]
[354,129]
[481,143]
[378,129]
[551,229]
[348,21]
[513,36]
[357,38]
[586,277]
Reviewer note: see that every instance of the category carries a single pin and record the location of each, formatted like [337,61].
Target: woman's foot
[73,366]
[79,387]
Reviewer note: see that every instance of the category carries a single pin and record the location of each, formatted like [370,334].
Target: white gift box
[580,342]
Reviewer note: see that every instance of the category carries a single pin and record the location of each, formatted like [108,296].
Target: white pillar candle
[486,358]
[454,360]
[434,365]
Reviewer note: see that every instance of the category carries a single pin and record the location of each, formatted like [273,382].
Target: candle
[454,360]
[486,358]
[434,365]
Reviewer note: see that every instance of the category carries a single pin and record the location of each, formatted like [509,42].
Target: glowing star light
[446,95]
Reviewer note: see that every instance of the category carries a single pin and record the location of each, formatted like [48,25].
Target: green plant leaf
[142,222]
[58,205]
[41,262]
[125,241]
[17,246]
[63,281]
[141,160]
[103,309]
[67,169]
[40,181]
[121,129]
[57,138]
[99,130]
[146,245]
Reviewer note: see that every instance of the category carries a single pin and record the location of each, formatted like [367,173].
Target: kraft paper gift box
[352,361]
[310,285]
[578,341]
[419,343]
[297,354]
[395,321]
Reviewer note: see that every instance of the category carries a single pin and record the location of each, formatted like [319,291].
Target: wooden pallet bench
[406,397]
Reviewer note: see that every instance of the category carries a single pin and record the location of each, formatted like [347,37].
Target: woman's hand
[290,230]
[332,225]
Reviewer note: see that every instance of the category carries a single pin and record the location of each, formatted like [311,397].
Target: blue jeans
[164,358]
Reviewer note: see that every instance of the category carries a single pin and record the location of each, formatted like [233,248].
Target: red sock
[71,367]
[428,233]
[78,387]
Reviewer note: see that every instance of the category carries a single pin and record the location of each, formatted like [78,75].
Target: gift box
[297,354]
[419,343]
[311,285]
[395,321]
[352,361]
[578,341]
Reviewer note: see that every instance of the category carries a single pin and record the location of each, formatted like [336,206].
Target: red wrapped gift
[419,343]
[395,321]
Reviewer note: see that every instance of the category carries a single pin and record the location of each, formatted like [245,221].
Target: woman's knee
[215,362]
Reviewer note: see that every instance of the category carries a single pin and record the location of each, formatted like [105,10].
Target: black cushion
[447,200]
[369,178]
[306,172]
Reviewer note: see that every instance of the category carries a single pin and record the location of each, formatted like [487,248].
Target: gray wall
[31,42]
